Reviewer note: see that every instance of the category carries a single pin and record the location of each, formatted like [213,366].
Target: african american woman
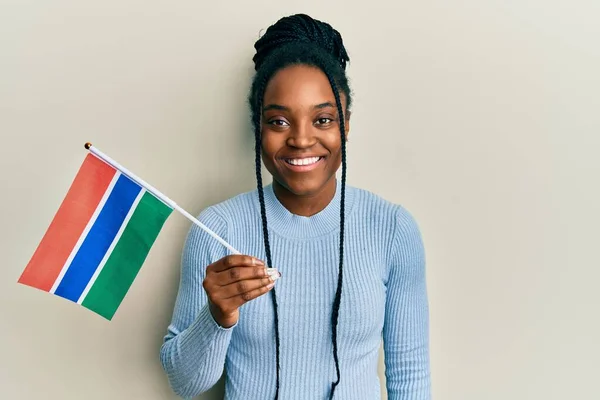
[327,270]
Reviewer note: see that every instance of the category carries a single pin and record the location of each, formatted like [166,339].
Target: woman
[350,265]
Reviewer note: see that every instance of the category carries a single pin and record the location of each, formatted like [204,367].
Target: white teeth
[303,161]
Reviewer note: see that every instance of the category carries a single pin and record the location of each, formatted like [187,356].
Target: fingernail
[258,262]
[273,273]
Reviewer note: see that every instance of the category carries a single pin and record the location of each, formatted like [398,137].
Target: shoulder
[232,208]
[391,222]
[378,209]
[219,218]
[404,247]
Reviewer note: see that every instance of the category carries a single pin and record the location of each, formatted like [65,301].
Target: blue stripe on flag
[98,239]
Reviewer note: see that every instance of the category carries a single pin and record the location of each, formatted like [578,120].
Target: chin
[303,187]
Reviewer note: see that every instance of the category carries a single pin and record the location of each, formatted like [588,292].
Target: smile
[302,161]
[303,164]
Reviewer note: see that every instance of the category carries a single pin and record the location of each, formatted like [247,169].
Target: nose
[301,136]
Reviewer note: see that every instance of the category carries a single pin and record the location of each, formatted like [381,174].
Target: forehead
[298,86]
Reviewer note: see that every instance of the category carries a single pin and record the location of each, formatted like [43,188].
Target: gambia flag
[98,240]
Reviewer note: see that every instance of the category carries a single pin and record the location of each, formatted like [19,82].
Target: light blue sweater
[384,295]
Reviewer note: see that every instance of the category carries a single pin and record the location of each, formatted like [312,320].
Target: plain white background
[481,117]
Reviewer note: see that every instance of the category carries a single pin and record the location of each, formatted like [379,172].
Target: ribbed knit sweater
[384,296]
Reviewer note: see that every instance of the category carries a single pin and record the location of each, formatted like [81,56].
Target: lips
[302,161]
[302,164]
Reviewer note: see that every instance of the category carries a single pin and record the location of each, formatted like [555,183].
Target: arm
[194,349]
[406,326]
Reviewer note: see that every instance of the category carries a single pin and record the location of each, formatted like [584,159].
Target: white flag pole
[156,193]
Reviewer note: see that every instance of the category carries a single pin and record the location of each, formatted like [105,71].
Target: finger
[240,299]
[235,260]
[237,274]
[246,286]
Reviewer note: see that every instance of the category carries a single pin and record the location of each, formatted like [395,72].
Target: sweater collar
[285,223]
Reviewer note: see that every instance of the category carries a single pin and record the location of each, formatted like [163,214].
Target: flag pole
[157,193]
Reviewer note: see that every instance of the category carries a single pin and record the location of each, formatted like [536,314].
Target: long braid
[338,292]
[294,40]
[263,213]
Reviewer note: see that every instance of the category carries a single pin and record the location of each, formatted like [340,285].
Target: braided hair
[301,40]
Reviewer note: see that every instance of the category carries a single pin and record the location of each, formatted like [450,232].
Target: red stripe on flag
[75,212]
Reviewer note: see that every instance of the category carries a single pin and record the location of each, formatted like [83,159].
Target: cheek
[333,143]
[271,144]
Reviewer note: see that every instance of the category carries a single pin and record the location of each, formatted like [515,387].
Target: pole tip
[88,145]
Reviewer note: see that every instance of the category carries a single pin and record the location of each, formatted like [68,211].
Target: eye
[278,122]
[324,121]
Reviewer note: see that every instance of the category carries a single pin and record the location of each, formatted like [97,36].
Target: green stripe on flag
[127,257]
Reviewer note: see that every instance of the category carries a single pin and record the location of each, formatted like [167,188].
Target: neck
[305,205]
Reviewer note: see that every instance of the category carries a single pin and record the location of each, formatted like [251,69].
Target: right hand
[234,280]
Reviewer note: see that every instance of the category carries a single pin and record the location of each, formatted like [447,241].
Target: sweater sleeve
[194,348]
[406,325]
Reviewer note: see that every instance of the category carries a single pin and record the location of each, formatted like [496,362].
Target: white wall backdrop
[481,117]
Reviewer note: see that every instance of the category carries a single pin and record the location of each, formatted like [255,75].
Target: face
[301,143]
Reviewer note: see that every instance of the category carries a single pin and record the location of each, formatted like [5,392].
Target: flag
[98,239]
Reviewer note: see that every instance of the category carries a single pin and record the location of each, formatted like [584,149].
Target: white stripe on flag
[112,245]
[89,225]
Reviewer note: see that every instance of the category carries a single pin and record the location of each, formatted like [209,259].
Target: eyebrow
[275,107]
[325,105]
[284,108]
